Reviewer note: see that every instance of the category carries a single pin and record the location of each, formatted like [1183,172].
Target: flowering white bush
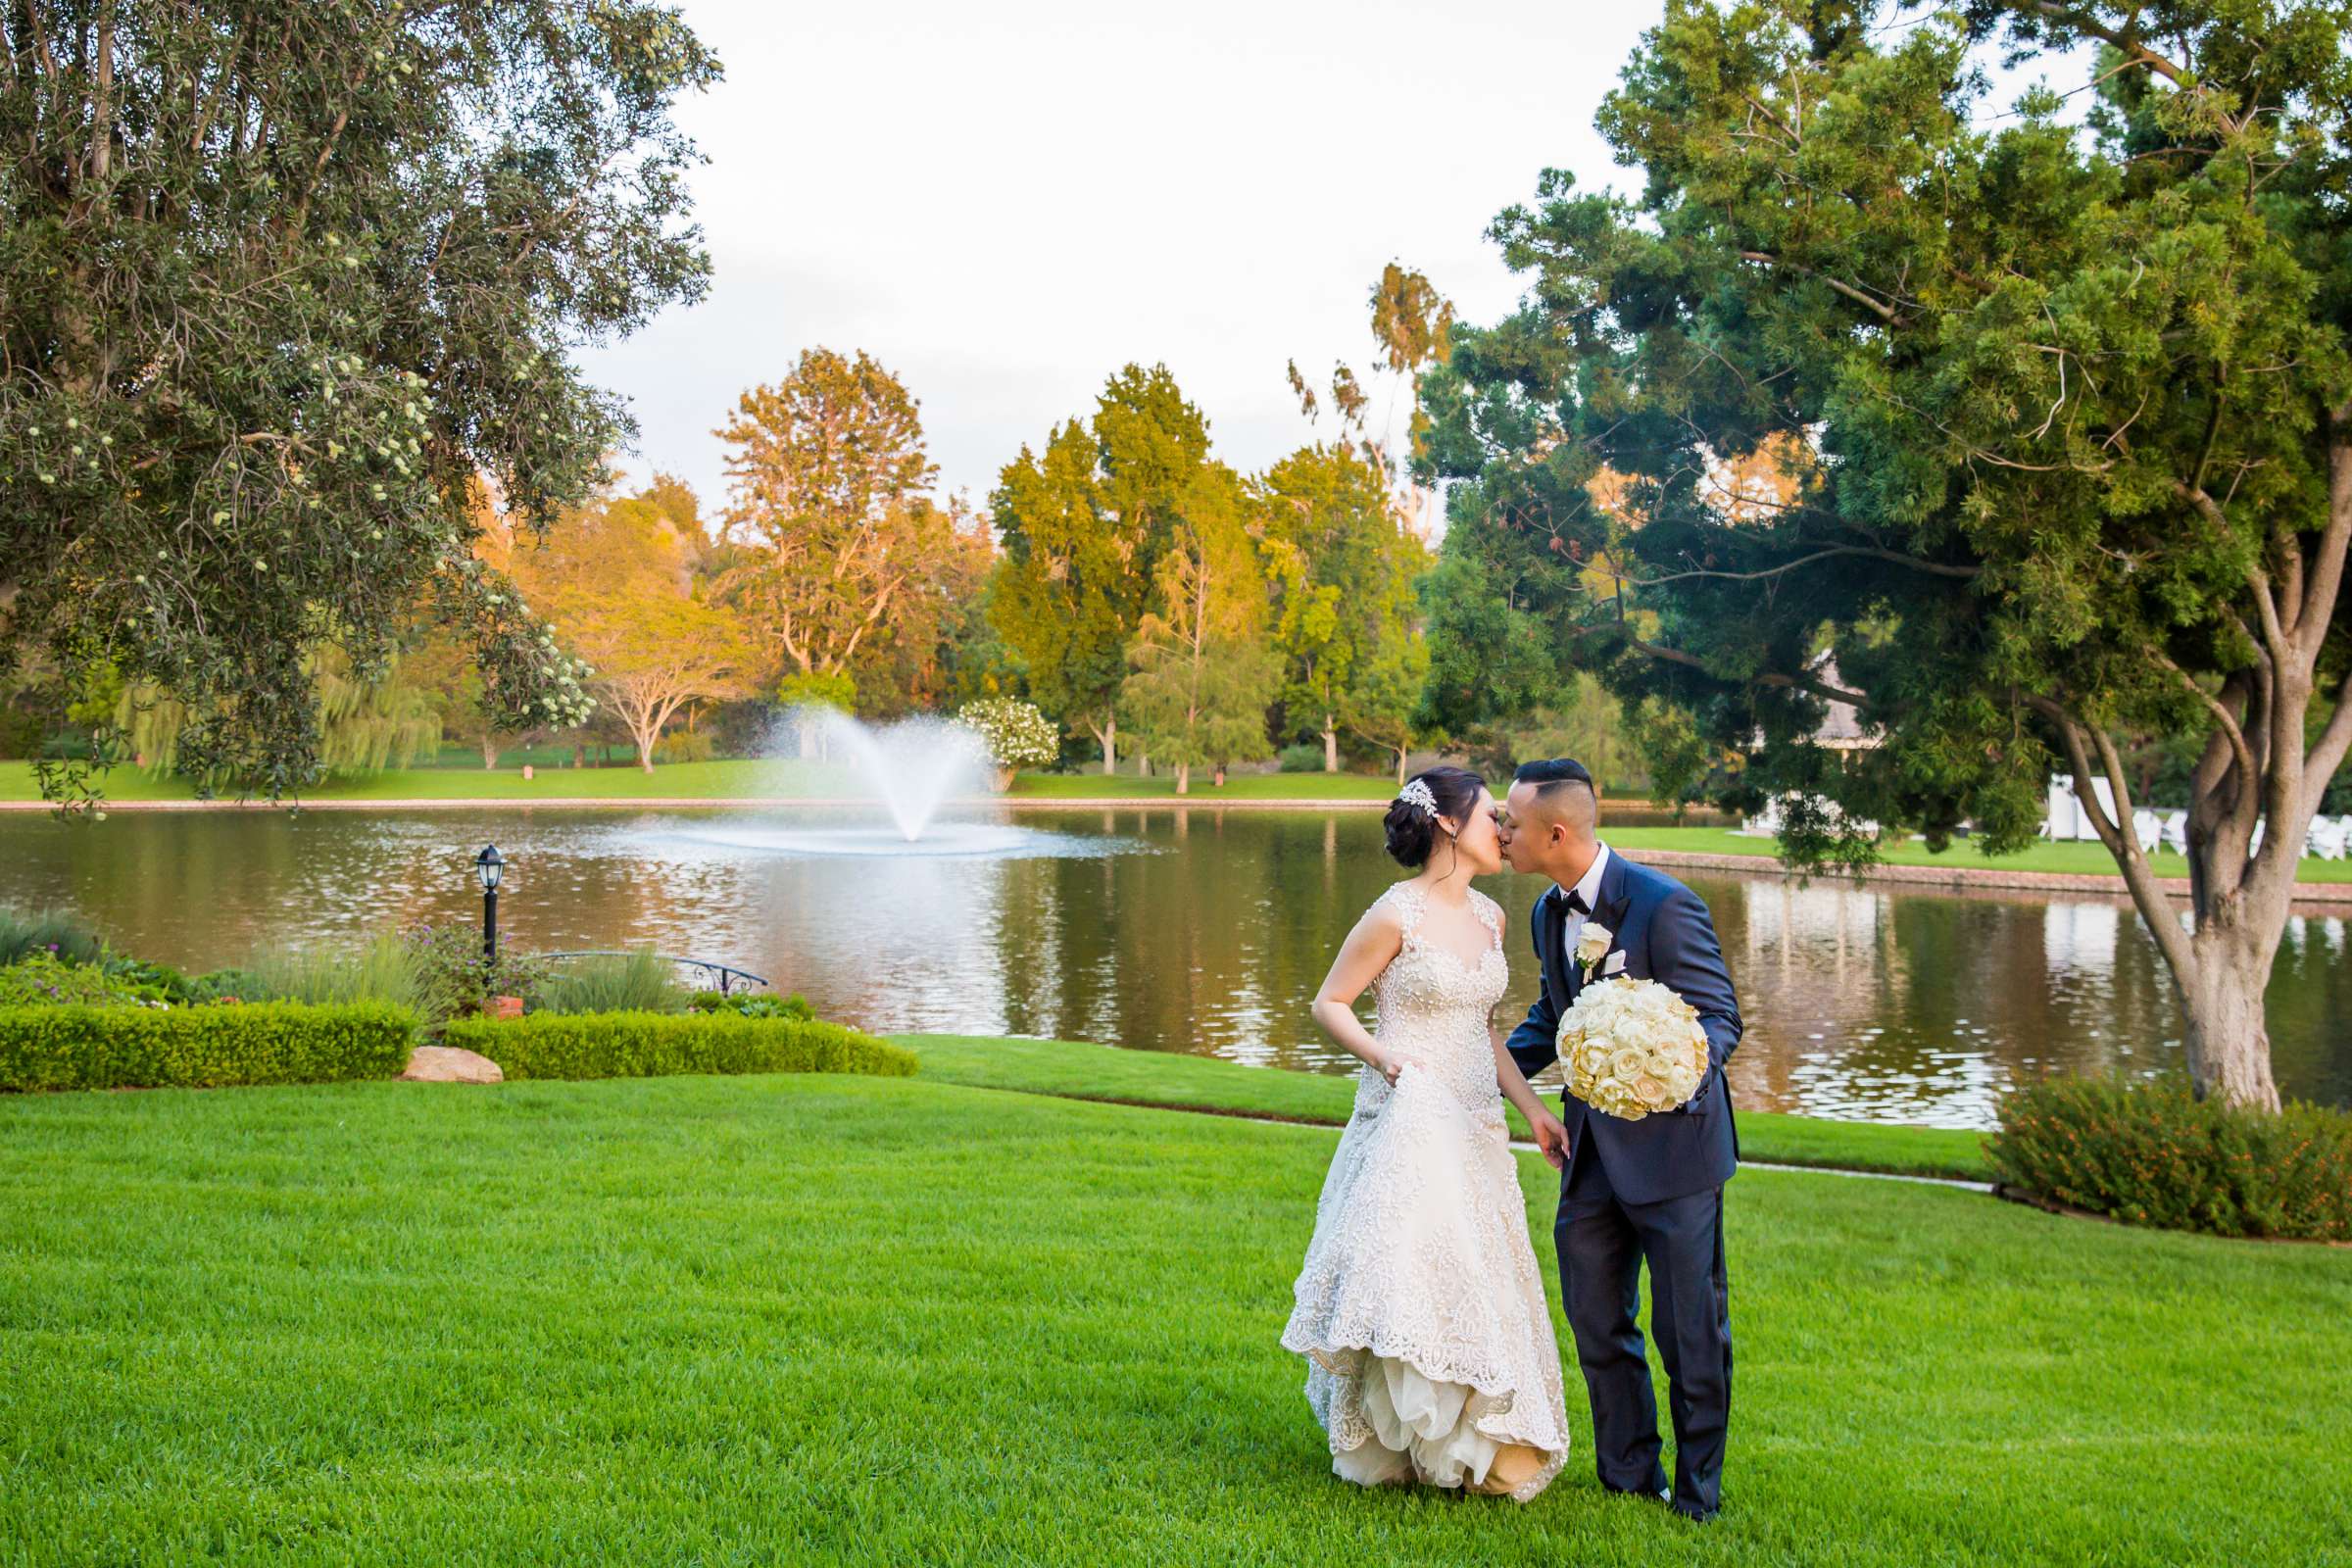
[1014,732]
[1632,1047]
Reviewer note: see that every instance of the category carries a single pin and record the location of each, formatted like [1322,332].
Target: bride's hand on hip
[1392,1067]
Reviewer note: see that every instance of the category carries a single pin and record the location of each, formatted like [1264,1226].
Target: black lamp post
[489,865]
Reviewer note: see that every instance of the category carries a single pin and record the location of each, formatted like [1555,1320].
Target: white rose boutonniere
[1591,946]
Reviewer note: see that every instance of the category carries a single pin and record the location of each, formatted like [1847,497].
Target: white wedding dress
[1419,1310]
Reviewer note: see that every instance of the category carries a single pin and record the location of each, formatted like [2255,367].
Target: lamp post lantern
[489,863]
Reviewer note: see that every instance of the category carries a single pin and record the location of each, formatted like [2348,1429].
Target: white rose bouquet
[1632,1047]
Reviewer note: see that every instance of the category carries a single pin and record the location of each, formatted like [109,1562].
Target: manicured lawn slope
[1101,1072]
[810,1320]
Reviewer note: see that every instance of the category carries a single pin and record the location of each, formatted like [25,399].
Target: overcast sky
[1004,204]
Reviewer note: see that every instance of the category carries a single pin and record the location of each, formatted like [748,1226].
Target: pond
[1203,930]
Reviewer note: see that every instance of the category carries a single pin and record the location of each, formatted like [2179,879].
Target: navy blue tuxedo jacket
[1666,935]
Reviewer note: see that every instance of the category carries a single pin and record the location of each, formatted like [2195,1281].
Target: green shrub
[2152,1153]
[640,982]
[23,932]
[40,979]
[387,969]
[685,746]
[753,1005]
[1304,757]
[43,981]
[272,1043]
[649,1045]
[451,977]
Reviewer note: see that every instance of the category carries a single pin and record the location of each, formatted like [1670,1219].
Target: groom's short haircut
[1566,790]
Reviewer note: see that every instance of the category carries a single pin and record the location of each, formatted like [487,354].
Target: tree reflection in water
[1204,930]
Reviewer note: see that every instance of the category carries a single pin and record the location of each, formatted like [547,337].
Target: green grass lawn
[1237,787]
[807,1319]
[701,781]
[691,780]
[1204,1083]
[2070,860]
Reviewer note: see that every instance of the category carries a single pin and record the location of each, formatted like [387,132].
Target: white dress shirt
[1588,889]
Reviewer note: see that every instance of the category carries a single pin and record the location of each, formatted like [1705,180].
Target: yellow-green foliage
[651,1044]
[267,1043]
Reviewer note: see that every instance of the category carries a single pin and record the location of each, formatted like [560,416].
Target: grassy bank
[1237,787]
[830,1320]
[2066,860]
[715,780]
[1202,1083]
[763,780]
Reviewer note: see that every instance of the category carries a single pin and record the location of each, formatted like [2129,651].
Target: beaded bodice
[1433,1004]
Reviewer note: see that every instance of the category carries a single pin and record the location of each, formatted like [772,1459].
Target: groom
[1633,1192]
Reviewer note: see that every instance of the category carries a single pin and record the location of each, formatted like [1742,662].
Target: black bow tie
[1575,903]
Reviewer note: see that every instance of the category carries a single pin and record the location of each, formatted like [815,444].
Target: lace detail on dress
[1419,1307]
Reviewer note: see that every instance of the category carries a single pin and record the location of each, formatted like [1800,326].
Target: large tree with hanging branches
[282,282]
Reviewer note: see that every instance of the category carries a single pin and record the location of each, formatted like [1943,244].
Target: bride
[1430,1351]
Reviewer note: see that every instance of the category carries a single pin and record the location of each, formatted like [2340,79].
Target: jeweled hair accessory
[1417,794]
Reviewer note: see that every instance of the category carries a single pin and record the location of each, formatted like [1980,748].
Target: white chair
[2175,832]
[2327,836]
[2149,827]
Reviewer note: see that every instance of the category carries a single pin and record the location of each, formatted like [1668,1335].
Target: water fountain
[910,769]
[881,790]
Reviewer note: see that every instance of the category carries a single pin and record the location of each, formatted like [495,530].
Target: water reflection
[1200,931]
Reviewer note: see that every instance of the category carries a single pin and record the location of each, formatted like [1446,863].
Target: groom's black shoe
[1646,1494]
[1698,1516]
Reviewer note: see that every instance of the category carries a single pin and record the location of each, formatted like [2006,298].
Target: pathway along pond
[1200,930]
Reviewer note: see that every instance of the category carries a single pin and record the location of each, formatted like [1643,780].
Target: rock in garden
[450,1064]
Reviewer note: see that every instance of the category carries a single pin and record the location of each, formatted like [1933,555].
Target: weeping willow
[364,726]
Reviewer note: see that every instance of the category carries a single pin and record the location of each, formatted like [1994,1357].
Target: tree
[443,669]
[1413,324]
[940,643]
[1203,673]
[615,582]
[281,281]
[825,484]
[2079,406]
[1084,524]
[1342,568]
[363,726]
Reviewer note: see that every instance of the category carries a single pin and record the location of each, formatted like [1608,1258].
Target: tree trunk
[1401,755]
[1330,746]
[1110,736]
[2229,1040]
[1184,779]
[489,752]
[579,754]
[1143,765]
[644,754]
[2238,904]
[1218,777]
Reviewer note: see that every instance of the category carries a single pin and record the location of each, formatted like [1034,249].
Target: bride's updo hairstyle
[1413,827]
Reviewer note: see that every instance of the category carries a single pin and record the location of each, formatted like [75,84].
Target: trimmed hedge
[197,1047]
[2152,1153]
[653,1044]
